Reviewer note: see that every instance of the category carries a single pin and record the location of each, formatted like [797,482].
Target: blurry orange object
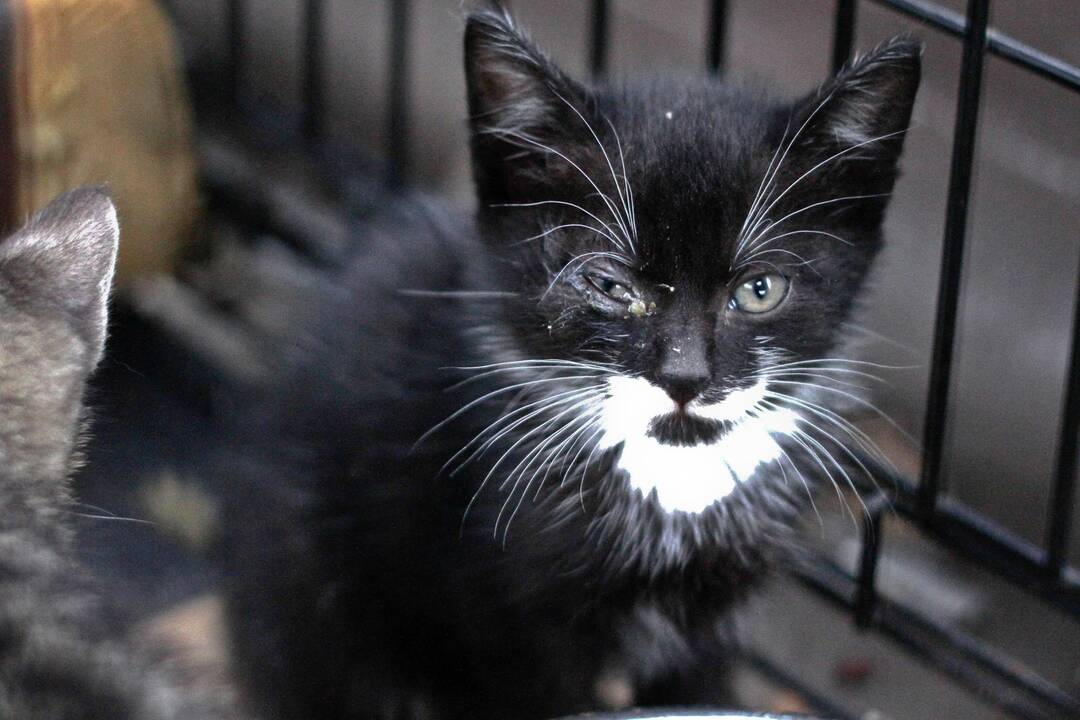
[98,97]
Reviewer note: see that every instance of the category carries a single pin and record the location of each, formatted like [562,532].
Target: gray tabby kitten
[62,654]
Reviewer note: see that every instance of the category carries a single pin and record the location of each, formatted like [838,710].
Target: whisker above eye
[826,161]
[606,200]
[820,203]
[611,168]
[610,234]
[625,177]
[563,226]
[757,210]
[757,215]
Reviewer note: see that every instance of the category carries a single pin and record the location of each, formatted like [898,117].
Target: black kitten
[605,379]
[62,655]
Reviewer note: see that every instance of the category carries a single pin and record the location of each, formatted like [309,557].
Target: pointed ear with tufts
[61,263]
[523,111]
[850,133]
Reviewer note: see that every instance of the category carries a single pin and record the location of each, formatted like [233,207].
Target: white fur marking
[690,479]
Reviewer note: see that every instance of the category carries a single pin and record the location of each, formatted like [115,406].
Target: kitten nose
[684,371]
[683,388]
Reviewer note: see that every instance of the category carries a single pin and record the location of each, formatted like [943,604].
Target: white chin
[690,478]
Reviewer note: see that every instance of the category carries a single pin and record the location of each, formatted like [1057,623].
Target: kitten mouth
[682,429]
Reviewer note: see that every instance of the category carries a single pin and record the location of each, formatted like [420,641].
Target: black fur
[378,576]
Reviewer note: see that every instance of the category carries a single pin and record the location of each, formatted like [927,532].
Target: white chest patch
[690,478]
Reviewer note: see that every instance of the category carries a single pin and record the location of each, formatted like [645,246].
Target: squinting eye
[610,287]
[760,293]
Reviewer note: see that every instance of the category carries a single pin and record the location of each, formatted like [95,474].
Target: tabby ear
[62,262]
[851,131]
[520,106]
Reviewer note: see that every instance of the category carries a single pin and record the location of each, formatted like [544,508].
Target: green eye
[760,293]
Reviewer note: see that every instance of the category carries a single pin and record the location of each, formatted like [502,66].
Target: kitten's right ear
[63,261]
[520,104]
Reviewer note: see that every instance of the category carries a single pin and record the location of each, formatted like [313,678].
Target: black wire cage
[1041,571]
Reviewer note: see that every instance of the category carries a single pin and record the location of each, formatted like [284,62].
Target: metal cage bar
[311,90]
[598,38]
[1062,497]
[397,110]
[235,30]
[843,33]
[956,213]
[992,675]
[997,43]
[716,40]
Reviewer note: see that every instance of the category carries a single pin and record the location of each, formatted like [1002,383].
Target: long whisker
[546,404]
[491,471]
[855,398]
[457,293]
[588,461]
[565,447]
[535,453]
[611,168]
[529,363]
[828,160]
[862,439]
[783,157]
[610,231]
[765,178]
[566,226]
[798,439]
[762,243]
[585,401]
[468,406]
[606,200]
[625,177]
[835,463]
[506,454]
[820,203]
[847,361]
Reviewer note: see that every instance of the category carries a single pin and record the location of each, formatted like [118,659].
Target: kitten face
[55,275]
[675,248]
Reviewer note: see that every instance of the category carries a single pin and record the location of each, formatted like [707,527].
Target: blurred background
[247,141]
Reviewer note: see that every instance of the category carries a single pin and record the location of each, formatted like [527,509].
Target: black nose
[684,371]
[683,387]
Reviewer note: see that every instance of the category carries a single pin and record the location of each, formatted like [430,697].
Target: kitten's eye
[760,293]
[610,287]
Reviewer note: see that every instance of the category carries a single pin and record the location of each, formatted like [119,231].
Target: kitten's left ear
[62,261]
[856,122]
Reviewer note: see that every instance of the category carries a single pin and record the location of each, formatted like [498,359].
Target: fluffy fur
[62,655]
[457,512]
